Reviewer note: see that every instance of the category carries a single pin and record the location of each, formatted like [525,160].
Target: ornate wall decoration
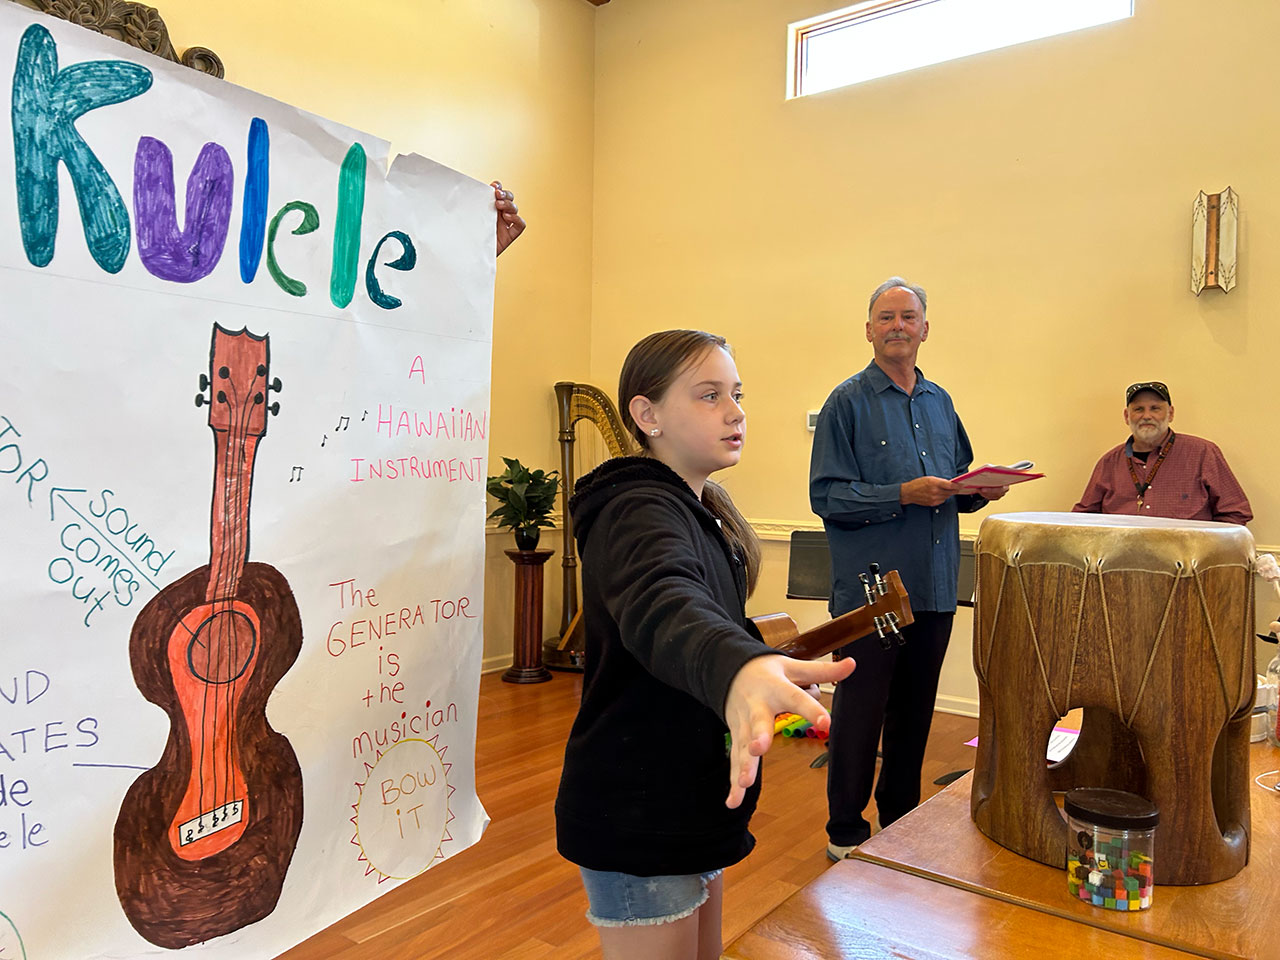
[1214,225]
[135,23]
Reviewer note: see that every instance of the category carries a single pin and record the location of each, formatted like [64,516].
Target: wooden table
[1234,919]
[860,910]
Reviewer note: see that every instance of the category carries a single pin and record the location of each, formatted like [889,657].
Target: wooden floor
[511,897]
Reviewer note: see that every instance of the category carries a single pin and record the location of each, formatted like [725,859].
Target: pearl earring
[654,432]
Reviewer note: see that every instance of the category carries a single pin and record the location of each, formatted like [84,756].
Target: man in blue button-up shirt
[886,442]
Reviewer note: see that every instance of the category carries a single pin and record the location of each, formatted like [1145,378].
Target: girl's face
[700,420]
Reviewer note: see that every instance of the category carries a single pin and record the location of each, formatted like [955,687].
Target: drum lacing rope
[1213,640]
[1168,605]
[995,620]
[1035,641]
[1111,647]
[1075,640]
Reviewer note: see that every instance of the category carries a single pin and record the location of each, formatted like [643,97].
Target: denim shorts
[623,900]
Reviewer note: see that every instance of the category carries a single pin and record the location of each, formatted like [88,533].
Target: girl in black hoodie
[679,693]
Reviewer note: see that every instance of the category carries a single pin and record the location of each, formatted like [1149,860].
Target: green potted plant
[525,500]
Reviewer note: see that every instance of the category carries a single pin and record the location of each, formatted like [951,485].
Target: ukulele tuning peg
[204,383]
[276,385]
[275,409]
[866,587]
[882,633]
[891,623]
[200,400]
[877,580]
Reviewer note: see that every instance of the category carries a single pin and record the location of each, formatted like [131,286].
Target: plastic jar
[1110,847]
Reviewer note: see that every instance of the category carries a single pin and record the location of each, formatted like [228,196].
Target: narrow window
[881,37]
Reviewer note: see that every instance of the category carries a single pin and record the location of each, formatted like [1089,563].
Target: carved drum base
[1148,625]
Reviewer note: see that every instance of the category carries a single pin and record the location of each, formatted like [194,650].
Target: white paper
[365,495]
[1060,743]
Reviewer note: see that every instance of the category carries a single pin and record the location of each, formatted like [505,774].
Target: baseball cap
[1155,386]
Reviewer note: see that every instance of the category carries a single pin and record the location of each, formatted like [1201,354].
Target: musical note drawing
[343,423]
[322,442]
[204,838]
[365,417]
[296,475]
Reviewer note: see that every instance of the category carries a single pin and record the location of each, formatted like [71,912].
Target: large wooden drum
[1148,625]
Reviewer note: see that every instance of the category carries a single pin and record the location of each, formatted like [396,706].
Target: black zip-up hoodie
[646,770]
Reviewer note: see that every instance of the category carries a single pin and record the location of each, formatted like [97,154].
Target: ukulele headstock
[237,384]
[887,604]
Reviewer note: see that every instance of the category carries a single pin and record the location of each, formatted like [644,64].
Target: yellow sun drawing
[402,812]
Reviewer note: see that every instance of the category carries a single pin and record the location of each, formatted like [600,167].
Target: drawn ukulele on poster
[205,837]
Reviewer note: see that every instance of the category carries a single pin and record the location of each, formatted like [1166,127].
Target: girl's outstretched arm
[763,688]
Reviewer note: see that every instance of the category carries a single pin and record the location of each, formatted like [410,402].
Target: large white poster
[243,413]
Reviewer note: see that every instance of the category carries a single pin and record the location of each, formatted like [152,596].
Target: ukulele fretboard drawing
[209,649]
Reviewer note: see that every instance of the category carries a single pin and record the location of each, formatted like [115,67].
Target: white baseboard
[961,706]
[494,664]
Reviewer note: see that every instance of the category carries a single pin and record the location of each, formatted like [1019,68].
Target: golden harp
[579,403]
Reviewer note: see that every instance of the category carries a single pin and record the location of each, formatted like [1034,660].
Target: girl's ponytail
[740,534]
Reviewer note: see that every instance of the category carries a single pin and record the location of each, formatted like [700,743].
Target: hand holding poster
[238,689]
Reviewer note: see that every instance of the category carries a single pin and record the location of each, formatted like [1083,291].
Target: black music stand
[809,568]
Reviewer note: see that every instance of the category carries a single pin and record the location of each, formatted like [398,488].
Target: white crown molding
[780,530]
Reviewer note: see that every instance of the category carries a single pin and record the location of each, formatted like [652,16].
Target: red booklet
[992,476]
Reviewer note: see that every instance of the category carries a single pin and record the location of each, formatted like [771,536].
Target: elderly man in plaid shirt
[1157,473]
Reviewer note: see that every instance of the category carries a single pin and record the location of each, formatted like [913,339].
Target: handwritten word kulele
[47,101]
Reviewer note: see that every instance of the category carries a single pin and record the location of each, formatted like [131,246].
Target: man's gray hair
[899,282]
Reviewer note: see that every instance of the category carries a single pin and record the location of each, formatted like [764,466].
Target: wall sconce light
[1213,240]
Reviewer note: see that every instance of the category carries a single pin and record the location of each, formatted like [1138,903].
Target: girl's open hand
[762,689]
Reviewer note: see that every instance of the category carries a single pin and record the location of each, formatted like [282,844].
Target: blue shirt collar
[880,381]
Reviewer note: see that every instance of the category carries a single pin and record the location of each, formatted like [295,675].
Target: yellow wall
[498,90]
[1041,193]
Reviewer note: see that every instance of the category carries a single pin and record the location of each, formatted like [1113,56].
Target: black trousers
[890,692]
